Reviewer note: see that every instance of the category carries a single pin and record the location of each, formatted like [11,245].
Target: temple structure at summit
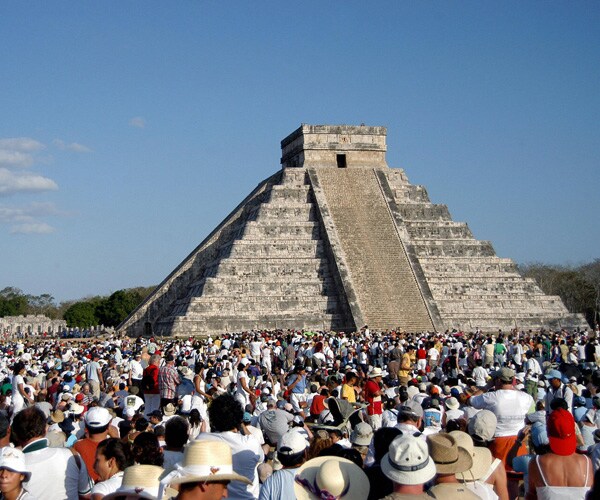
[336,240]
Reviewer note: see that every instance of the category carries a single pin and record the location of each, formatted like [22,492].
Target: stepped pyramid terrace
[336,240]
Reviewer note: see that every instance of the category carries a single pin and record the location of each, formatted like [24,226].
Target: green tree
[81,314]
[13,302]
[116,308]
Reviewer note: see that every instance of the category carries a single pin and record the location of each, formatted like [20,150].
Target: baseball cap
[505,374]
[97,417]
[561,432]
[482,426]
[291,443]
[553,374]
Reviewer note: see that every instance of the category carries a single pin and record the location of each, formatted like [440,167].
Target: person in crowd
[561,471]
[291,454]
[168,380]
[113,456]
[150,385]
[13,473]
[97,421]
[56,473]
[205,473]
[226,415]
[557,390]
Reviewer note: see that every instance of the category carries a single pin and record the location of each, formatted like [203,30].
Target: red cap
[561,432]
[79,397]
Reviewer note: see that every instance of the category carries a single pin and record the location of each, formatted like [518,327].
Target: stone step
[288,212]
[271,287]
[256,304]
[387,292]
[284,194]
[423,211]
[411,194]
[270,228]
[293,267]
[278,248]
[441,232]
[462,248]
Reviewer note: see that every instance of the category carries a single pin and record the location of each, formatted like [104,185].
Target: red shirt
[375,407]
[317,405]
[152,371]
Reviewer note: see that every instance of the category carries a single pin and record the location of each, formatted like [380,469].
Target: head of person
[561,432]
[29,424]
[408,462]
[482,427]
[331,477]
[450,458]
[13,471]
[19,368]
[410,413]
[146,449]
[155,359]
[176,433]
[112,456]
[554,378]
[97,420]
[140,481]
[225,413]
[205,471]
[292,449]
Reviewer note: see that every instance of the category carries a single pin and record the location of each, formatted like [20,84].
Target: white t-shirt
[247,454]
[509,406]
[108,486]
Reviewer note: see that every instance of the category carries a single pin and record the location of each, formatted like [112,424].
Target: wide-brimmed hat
[169,410]
[448,456]
[57,416]
[14,460]
[139,481]
[452,403]
[376,372]
[205,461]
[482,425]
[561,432]
[334,476]
[482,457]
[408,461]
[361,434]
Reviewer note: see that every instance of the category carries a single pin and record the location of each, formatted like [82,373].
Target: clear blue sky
[129,130]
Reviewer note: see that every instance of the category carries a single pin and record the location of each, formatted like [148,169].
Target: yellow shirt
[348,393]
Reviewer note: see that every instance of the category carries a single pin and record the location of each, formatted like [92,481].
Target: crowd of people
[306,415]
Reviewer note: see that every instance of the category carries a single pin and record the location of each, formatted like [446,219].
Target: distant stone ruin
[31,324]
[336,240]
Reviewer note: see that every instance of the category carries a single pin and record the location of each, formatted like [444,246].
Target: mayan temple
[336,240]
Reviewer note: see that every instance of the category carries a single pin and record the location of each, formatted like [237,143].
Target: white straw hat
[335,476]
[204,461]
[139,481]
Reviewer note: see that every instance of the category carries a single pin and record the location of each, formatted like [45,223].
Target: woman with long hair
[112,457]
[19,395]
[200,398]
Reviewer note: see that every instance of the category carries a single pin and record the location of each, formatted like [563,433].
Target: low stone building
[32,325]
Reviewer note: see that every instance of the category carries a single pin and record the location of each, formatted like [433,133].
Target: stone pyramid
[336,240]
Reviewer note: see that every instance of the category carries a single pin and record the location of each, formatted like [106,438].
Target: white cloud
[16,182]
[21,144]
[27,219]
[18,151]
[138,122]
[73,146]
[32,228]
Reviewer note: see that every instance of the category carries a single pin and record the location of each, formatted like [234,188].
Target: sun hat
[97,417]
[553,374]
[13,459]
[169,410]
[76,409]
[376,372]
[292,443]
[139,481]
[448,456]
[482,425]
[335,476]
[452,403]
[57,416]
[362,434]
[408,462]
[561,432]
[204,461]
[482,457]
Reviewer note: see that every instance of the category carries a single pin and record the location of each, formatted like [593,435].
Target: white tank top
[547,492]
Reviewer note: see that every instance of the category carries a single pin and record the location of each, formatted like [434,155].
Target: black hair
[17,367]
[146,450]
[117,449]
[382,439]
[28,424]
[293,459]
[176,432]
[194,417]
[225,413]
